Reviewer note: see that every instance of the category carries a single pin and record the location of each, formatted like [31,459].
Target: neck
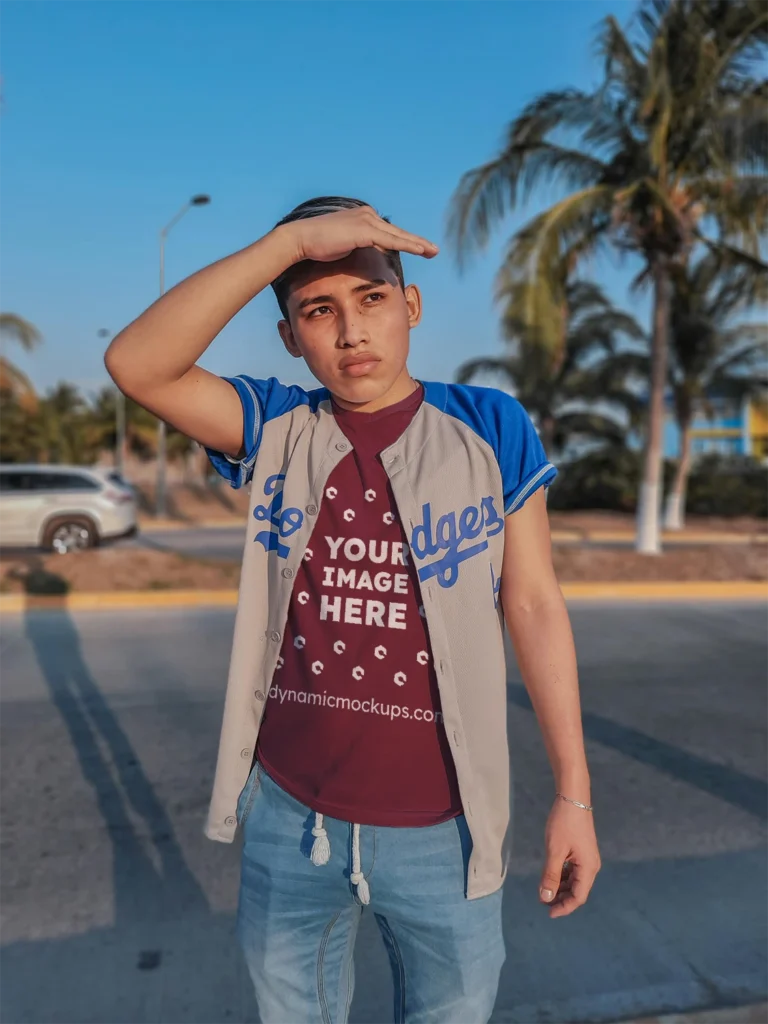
[402,387]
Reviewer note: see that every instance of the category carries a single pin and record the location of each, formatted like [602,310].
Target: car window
[20,482]
[10,482]
[65,482]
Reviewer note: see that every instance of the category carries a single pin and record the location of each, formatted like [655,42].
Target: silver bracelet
[585,807]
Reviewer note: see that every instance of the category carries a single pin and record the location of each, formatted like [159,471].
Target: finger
[577,894]
[565,907]
[582,882]
[403,241]
[551,877]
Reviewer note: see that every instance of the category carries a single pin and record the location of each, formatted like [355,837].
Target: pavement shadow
[163,924]
[736,788]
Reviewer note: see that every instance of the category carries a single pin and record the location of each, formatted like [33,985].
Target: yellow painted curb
[657,590]
[125,599]
[232,522]
[116,599]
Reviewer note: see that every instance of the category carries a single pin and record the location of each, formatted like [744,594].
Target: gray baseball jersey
[469,458]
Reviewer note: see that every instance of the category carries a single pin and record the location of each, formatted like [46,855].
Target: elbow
[521,604]
[118,369]
[113,365]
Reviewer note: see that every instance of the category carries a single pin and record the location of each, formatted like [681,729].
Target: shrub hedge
[608,479]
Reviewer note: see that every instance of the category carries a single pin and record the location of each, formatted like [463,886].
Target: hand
[573,859]
[333,236]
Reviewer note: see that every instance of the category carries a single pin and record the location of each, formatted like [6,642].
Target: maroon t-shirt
[353,726]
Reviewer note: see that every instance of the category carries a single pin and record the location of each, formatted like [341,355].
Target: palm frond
[620,63]
[527,160]
[16,383]
[487,366]
[20,330]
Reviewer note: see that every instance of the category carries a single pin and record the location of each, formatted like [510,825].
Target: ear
[286,333]
[413,302]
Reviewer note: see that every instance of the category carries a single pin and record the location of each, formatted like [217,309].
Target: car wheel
[70,533]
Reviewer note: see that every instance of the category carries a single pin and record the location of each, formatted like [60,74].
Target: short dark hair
[316,208]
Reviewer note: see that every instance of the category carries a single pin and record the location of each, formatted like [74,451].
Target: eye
[375,295]
[318,309]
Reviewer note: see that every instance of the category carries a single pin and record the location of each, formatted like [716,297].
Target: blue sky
[113,114]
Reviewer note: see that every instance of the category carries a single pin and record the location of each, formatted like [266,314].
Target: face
[350,320]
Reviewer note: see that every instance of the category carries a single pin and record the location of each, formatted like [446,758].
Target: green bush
[607,479]
[603,479]
[728,486]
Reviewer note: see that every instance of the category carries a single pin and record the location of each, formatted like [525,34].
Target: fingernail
[546,894]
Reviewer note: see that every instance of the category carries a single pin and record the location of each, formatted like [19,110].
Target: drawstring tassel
[321,848]
[357,877]
[321,854]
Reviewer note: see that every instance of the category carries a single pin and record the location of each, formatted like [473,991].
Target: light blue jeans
[297,923]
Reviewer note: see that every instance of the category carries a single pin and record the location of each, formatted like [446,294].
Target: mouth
[358,366]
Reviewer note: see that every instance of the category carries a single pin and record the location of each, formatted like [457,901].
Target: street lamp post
[160,489]
[119,419]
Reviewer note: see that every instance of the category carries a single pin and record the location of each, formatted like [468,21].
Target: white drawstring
[321,848]
[321,854]
[357,877]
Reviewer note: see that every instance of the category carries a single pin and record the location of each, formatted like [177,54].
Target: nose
[352,331]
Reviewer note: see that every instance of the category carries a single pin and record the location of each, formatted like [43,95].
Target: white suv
[63,508]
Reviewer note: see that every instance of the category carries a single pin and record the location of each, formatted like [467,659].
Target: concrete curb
[667,590]
[685,537]
[756,1013]
[125,599]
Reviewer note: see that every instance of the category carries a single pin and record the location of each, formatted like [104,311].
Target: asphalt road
[117,909]
[224,543]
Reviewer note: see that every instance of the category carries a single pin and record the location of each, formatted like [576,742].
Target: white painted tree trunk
[674,517]
[674,513]
[648,541]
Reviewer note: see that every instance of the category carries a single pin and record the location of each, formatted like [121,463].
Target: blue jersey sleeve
[262,401]
[522,459]
[505,425]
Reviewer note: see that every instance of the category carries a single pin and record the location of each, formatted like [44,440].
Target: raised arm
[153,360]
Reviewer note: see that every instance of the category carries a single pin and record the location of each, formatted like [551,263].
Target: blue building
[729,426]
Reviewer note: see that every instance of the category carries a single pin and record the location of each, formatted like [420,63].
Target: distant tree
[63,419]
[713,351]
[140,428]
[669,151]
[17,330]
[20,439]
[582,390]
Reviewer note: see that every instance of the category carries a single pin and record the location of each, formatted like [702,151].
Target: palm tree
[593,365]
[16,329]
[63,423]
[712,351]
[669,151]
[140,428]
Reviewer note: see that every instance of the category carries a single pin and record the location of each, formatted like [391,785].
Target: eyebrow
[375,283]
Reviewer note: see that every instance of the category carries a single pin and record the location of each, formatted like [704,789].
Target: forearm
[165,342]
[543,641]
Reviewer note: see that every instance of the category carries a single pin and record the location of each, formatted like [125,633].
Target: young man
[393,526]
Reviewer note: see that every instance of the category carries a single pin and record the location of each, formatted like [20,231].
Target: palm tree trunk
[547,434]
[674,514]
[649,502]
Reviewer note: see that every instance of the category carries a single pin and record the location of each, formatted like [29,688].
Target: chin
[363,389]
